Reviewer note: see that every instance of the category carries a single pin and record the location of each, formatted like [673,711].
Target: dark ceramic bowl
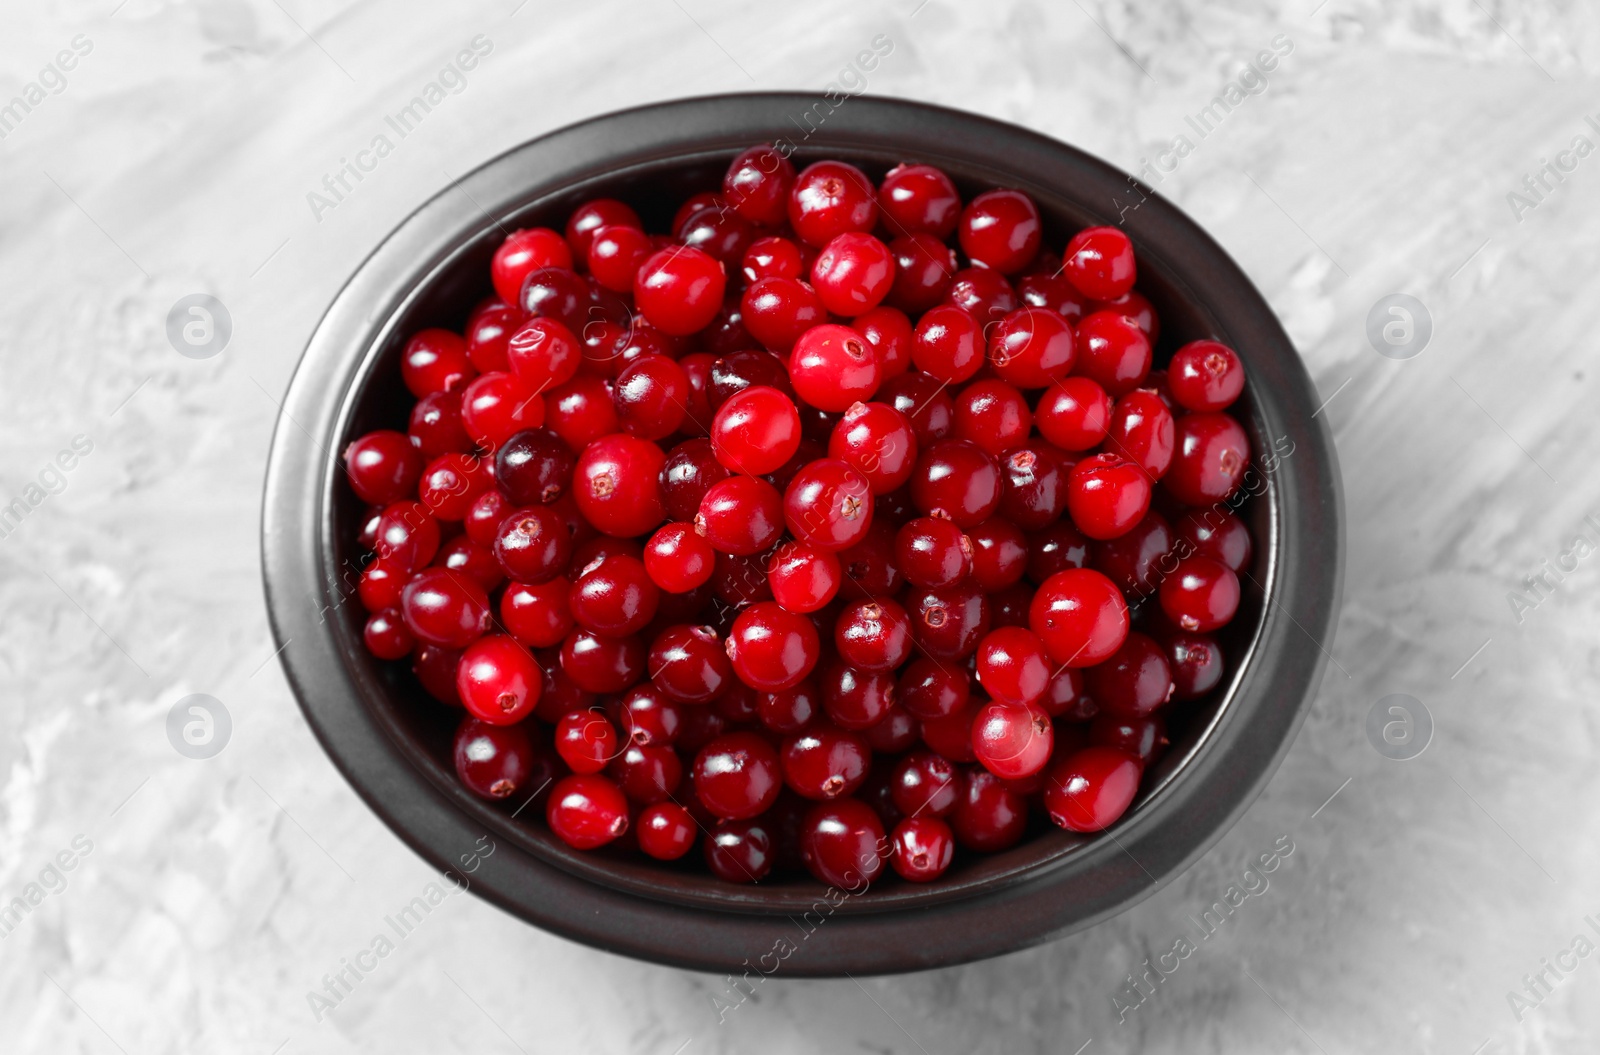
[393,743]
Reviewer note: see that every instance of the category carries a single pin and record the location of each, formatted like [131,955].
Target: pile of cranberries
[810,531]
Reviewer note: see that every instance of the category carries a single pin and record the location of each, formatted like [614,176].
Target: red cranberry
[1133,681]
[1205,375]
[1032,347]
[923,848]
[990,816]
[543,353]
[533,544]
[1000,229]
[1099,261]
[523,252]
[757,185]
[1080,616]
[1212,533]
[919,199]
[772,649]
[926,783]
[647,773]
[536,614]
[586,740]
[1142,431]
[737,776]
[1211,457]
[830,198]
[888,331]
[602,664]
[791,710]
[756,430]
[1134,560]
[932,552]
[992,414]
[742,515]
[948,622]
[833,367]
[956,479]
[496,406]
[825,762]
[1196,664]
[557,293]
[930,690]
[719,232]
[1065,698]
[1113,352]
[592,215]
[407,536]
[1034,490]
[1056,549]
[387,636]
[435,669]
[678,559]
[587,811]
[463,555]
[617,485]
[948,343]
[1074,414]
[689,664]
[777,311]
[1137,307]
[383,467]
[435,361]
[443,608]
[1012,666]
[1143,738]
[614,596]
[666,831]
[983,293]
[853,273]
[435,427]
[581,411]
[1090,789]
[1012,740]
[873,635]
[829,505]
[1107,495]
[999,555]
[774,257]
[740,851]
[740,581]
[1202,595]
[686,475]
[489,327]
[493,761]
[381,584]
[534,468]
[856,699]
[843,844]
[1047,289]
[498,680]
[878,442]
[803,577]
[923,268]
[679,289]
[615,254]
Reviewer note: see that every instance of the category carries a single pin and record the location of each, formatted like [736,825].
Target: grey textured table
[173,149]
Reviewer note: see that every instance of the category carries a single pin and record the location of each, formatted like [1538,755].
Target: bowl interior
[422,728]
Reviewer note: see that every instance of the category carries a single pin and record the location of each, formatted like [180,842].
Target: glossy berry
[742,515]
[740,851]
[923,849]
[1202,595]
[1031,347]
[387,636]
[493,761]
[1215,534]
[532,544]
[1090,789]
[833,367]
[830,198]
[587,811]
[737,775]
[1074,414]
[689,664]
[1081,617]
[1000,229]
[435,361]
[791,710]
[990,816]
[803,577]
[853,273]
[679,289]
[1107,495]
[557,293]
[856,699]
[651,395]
[537,614]
[523,252]
[993,415]
[543,353]
[948,343]
[1143,738]
[496,406]
[983,293]
[919,199]
[948,622]
[647,773]
[1143,432]
[755,431]
[586,740]
[1012,740]
[774,257]
[1136,559]
[757,185]
[1012,666]
[843,844]
[958,480]
[614,596]
[824,762]
[932,552]
[1212,453]
[615,255]
[828,505]
[498,680]
[873,635]
[1205,375]
[771,649]
[602,664]
[489,327]
[1099,262]
[678,559]
[1112,352]
[1133,681]
[1034,486]
[923,268]
[1196,664]
[534,468]
[446,609]
[617,485]
[878,442]
[666,831]
[383,467]
[925,403]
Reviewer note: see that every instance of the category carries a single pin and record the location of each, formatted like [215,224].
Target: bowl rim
[1103,875]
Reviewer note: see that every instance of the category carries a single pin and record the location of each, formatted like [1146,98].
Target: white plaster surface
[1378,159]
